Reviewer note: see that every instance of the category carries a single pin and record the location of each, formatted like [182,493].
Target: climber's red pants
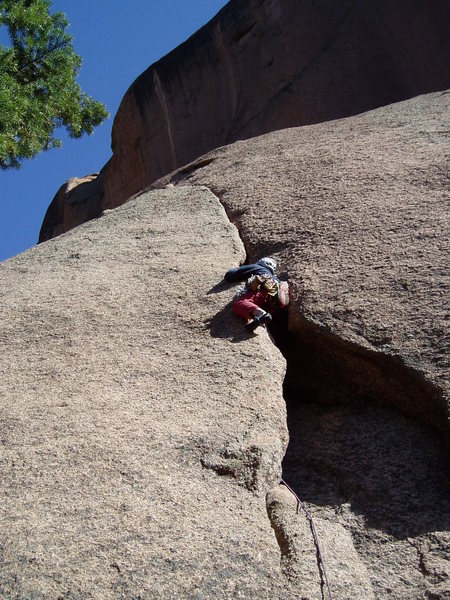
[250,304]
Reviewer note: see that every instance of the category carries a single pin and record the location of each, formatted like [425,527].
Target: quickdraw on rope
[314,532]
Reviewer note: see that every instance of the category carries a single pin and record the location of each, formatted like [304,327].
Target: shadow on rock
[225,324]
[222,286]
[389,468]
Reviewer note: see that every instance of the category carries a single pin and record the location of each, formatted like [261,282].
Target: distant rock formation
[264,65]
[77,201]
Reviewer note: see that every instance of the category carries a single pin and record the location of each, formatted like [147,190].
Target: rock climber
[262,293]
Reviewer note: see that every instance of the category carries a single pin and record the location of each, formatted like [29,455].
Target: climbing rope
[314,532]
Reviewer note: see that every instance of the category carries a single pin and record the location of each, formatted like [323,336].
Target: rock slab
[359,226]
[136,447]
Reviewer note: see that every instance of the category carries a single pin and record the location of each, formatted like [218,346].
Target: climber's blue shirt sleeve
[245,272]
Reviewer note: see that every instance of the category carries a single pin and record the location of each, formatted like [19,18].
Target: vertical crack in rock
[159,91]
[119,379]
[374,478]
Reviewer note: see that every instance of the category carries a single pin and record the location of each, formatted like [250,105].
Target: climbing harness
[314,532]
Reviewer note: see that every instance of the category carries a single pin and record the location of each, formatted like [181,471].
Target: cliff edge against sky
[260,66]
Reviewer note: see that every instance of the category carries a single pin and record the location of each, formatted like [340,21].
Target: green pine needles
[38,92]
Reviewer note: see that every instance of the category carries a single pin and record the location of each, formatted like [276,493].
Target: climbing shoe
[257,321]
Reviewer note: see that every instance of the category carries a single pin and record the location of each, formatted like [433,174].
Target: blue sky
[117,41]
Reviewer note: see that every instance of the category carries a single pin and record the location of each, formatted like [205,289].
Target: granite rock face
[356,213]
[141,427]
[264,65]
[135,456]
[144,417]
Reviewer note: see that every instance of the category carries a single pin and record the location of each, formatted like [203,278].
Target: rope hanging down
[314,532]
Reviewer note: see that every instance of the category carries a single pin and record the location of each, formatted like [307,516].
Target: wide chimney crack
[356,458]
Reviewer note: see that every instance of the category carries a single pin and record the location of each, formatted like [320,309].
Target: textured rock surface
[263,65]
[356,212]
[344,568]
[135,454]
[375,477]
[134,458]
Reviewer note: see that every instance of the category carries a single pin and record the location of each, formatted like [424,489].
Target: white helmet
[268,262]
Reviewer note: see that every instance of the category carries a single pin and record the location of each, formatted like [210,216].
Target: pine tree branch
[40,58]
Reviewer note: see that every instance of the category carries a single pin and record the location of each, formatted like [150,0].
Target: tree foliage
[38,91]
